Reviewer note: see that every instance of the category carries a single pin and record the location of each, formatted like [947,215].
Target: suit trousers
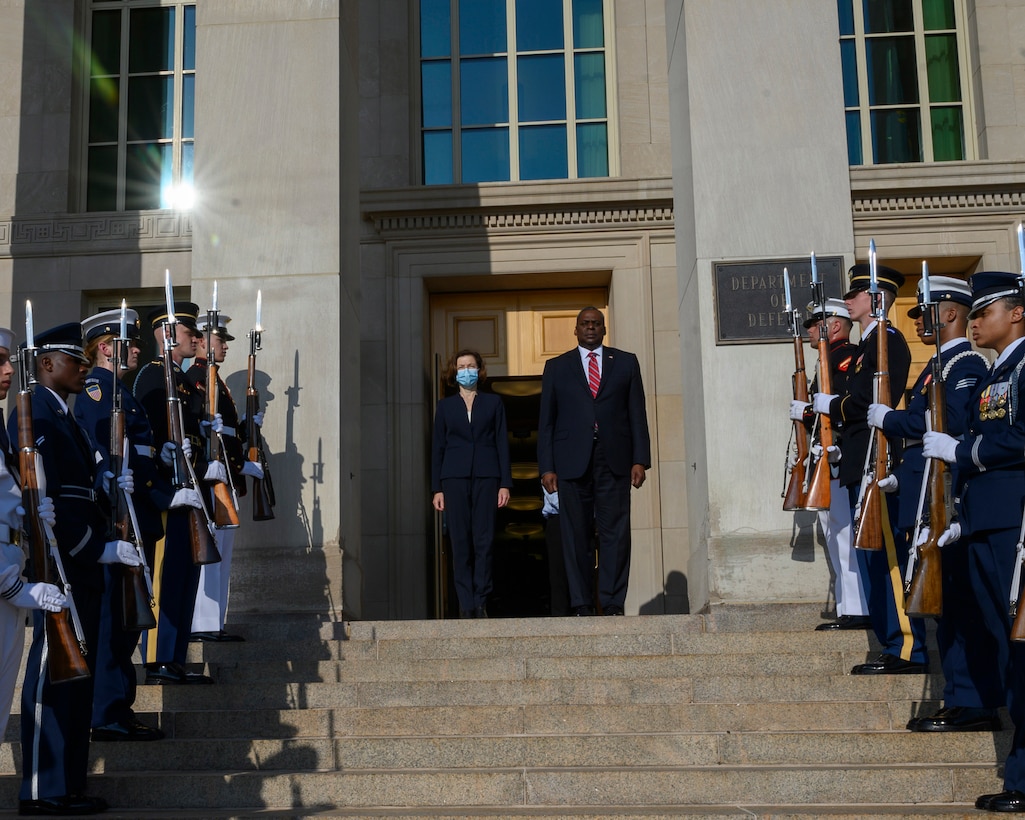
[598,499]
[836,527]
[470,507]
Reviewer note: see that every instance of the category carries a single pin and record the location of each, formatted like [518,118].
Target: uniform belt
[145,450]
[914,442]
[82,493]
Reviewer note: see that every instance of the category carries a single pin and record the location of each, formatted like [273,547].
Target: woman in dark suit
[470,476]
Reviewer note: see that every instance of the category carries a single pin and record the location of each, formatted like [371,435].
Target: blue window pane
[849,61]
[845,11]
[892,71]
[896,135]
[106,45]
[590,81]
[147,173]
[542,87]
[484,91]
[435,28]
[437,158]
[102,189]
[588,24]
[151,46]
[592,150]
[188,163]
[436,80]
[189,56]
[854,156]
[883,16]
[538,25]
[189,106]
[482,28]
[543,152]
[150,108]
[486,155]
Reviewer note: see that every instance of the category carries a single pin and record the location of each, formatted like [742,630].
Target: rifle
[818,496]
[225,501]
[794,498]
[65,641]
[1017,609]
[137,599]
[201,538]
[868,529]
[924,594]
[263,488]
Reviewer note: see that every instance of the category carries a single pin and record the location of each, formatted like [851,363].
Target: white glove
[44,510]
[797,409]
[215,472]
[120,552]
[939,445]
[888,484]
[38,596]
[187,497]
[216,424]
[950,534]
[833,454]
[822,402]
[257,418]
[167,453]
[876,414]
[125,481]
[253,468]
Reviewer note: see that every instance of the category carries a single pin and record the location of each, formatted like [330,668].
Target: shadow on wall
[673,600]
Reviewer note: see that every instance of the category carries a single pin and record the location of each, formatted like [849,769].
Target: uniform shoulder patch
[93,390]
[846,363]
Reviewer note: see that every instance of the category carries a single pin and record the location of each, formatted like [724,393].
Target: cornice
[940,189]
[570,205]
[96,233]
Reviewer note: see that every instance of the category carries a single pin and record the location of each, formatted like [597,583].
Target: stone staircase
[744,712]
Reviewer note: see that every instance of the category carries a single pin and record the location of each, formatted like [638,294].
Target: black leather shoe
[613,610]
[214,637]
[846,622]
[1013,801]
[582,610]
[480,612]
[127,730]
[173,673]
[958,719]
[61,806]
[464,613]
[887,664]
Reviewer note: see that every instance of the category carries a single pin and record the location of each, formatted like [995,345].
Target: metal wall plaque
[749,297]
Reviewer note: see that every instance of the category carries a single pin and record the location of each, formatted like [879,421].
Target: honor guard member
[965,707]
[16,594]
[212,597]
[903,642]
[115,679]
[990,462]
[175,576]
[851,606]
[55,718]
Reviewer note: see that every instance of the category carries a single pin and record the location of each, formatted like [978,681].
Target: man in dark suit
[593,445]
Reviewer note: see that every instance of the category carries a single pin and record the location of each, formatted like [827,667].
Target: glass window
[903,64]
[525,95]
[141,105]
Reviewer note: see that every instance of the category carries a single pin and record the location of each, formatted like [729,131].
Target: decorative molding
[946,203]
[96,233]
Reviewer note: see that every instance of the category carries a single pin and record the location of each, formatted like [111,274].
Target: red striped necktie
[593,376]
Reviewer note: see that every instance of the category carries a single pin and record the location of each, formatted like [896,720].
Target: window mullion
[865,104]
[571,97]
[922,70]
[514,97]
[455,60]
[122,111]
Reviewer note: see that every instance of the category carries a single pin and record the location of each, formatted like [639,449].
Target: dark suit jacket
[568,414]
[465,449]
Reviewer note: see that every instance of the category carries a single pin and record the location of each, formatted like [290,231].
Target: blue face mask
[468,377]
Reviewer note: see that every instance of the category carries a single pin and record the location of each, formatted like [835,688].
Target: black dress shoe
[887,664]
[61,806]
[582,610]
[127,730]
[465,613]
[612,610]
[846,622]
[958,719]
[480,612]
[1011,801]
[219,636]
[173,673]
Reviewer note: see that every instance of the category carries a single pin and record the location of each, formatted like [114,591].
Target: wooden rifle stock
[1018,625]
[263,489]
[796,492]
[65,656]
[136,609]
[868,531]
[204,550]
[225,512]
[925,594]
[818,497]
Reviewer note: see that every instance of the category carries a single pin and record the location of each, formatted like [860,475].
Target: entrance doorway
[516,332]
